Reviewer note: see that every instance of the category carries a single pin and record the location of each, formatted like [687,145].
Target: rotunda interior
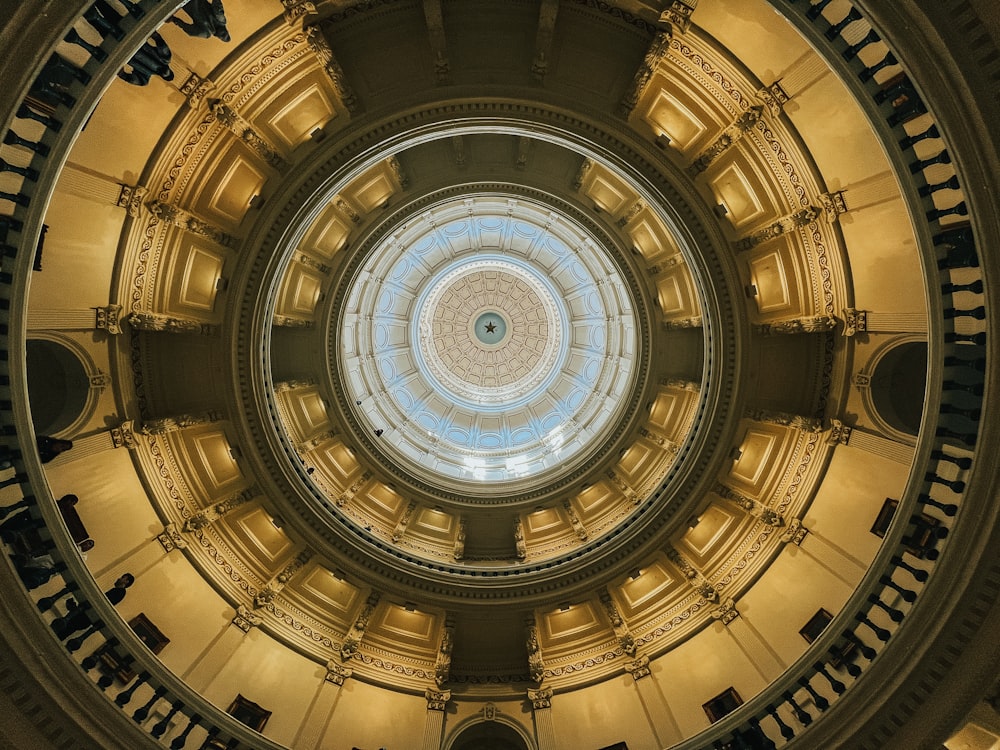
[514,374]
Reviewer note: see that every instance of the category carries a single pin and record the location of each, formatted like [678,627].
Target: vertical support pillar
[759,653]
[541,705]
[312,732]
[220,650]
[437,702]
[661,718]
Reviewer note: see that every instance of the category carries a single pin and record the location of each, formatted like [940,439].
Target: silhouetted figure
[208,19]
[49,447]
[151,59]
[76,619]
[35,570]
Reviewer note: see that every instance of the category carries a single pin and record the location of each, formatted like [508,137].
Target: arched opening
[489,735]
[898,384]
[58,386]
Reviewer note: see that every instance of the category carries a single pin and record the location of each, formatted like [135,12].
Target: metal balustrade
[175,716]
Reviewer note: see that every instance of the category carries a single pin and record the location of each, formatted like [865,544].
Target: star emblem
[491,327]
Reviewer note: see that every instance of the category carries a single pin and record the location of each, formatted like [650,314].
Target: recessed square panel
[768,274]
[756,454]
[738,193]
[228,196]
[198,279]
[713,526]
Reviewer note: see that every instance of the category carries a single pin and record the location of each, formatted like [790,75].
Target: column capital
[123,436]
[638,667]
[337,673]
[840,433]
[541,698]
[725,612]
[679,14]
[855,321]
[795,533]
[245,619]
[108,318]
[437,700]
[170,538]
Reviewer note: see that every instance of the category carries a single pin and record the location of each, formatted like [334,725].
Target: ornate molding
[638,667]
[654,56]
[170,538]
[108,318]
[337,673]
[123,436]
[541,698]
[130,198]
[437,700]
[679,14]
[195,88]
[726,612]
[855,321]
[321,48]
[245,619]
[840,433]
[730,136]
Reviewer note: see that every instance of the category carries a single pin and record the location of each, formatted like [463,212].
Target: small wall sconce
[663,141]
[751,290]
[256,201]
[720,210]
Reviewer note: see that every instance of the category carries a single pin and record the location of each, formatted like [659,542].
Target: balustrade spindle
[26,172]
[19,199]
[976,287]
[949,509]
[895,615]
[910,140]
[73,644]
[951,184]
[10,224]
[763,741]
[815,11]
[13,139]
[786,731]
[818,700]
[962,462]
[105,20]
[959,209]
[870,38]
[942,157]
[966,438]
[976,363]
[881,633]
[955,485]
[804,717]
[976,313]
[838,28]
[73,37]
[91,661]
[836,685]
[950,337]
[142,712]
[972,415]
[125,696]
[866,651]
[161,727]
[24,112]
[908,596]
[868,73]
[181,739]
[917,573]
[975,389]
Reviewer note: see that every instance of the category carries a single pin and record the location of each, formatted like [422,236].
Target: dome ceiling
[489,367]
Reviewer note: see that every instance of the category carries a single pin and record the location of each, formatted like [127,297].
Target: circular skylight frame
[482,453]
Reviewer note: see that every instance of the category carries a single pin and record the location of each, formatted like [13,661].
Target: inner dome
[489,343]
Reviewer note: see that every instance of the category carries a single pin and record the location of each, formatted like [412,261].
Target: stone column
[759,653]
[83,319]
[220,650]
[84,447]
[541,705]
[879,445]
[313,729]
[661,718]
[437,702]
[843,565]
[679,14]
